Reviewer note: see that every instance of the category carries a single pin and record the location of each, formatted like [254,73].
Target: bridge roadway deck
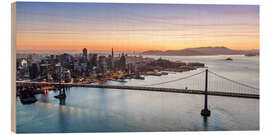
[187,91]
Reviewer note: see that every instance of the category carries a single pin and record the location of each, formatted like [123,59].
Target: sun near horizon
[135,27]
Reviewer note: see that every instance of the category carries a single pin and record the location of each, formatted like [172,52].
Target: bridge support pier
[62,92]
[206,112]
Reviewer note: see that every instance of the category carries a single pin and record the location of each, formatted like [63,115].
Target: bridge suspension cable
[186,77]
[215,83]
[233,81]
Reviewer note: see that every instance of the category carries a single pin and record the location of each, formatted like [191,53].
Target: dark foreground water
[109,110]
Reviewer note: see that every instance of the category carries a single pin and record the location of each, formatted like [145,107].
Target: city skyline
[135,27]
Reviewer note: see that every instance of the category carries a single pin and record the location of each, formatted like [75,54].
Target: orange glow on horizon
[163,27]
[25,42]
[132,41]
[123,48]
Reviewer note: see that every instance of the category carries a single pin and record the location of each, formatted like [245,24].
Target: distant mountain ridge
[201,51]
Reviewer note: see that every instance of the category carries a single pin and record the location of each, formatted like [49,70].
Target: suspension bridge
[218,85]
[203,82]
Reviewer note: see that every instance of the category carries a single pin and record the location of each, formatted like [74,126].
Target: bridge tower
[62,92]
[206,112]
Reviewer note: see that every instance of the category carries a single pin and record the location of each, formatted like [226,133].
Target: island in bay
[202,51]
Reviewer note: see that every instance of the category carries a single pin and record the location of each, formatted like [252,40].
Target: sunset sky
[138,27]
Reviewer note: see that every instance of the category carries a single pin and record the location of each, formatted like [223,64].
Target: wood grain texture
[13,67]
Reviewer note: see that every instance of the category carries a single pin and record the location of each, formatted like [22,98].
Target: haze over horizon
[109,50]
[135,27]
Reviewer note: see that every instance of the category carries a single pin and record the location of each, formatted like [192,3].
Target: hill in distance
[201,51]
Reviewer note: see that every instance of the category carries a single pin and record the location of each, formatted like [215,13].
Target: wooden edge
[13,67]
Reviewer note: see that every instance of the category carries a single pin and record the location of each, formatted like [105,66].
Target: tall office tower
[84,53]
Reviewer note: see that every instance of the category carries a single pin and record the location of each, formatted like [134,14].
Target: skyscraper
[112,52]
[84,53]
[122,62]
[112,60]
